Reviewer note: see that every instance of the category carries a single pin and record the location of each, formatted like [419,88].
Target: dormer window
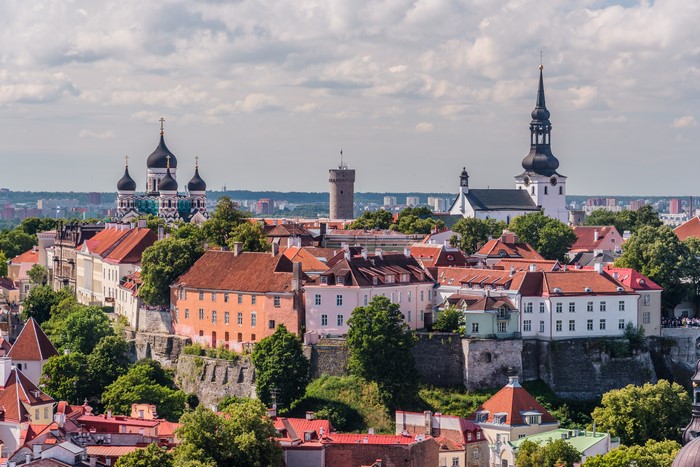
[482,416]
[340,280]
[324,280]
[389,279]
[375,281]
[499,419]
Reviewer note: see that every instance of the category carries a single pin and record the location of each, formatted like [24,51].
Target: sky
[267,92]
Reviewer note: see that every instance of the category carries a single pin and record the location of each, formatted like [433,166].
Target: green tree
[380,219]
[16,241]
[474,233]
[38,274]
[646,216]
[553,454]
[418,220]
[107,362]
[625,220]
[657,253]
[692,265]
[280,364]
[162,263]
[251,235]
[143,384]
[151,456]
[639,413]
[241,435]
[380,345]
[34,225]
[82,329]
[3,264]
[226,217]
[449,320]
[65,377]
[651,454]
[40,300]
[550,237]
[188,232]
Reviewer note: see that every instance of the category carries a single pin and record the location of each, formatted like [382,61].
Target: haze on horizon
[266,93]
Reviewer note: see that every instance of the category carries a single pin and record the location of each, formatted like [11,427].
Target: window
[324,320]
[340,320]
[602,306]
[422,297]
[422,316]
[528,307]
[602,325]
[559,307]
[541,326]
[239,319]
[253,299]
[226,317]
[542,307]
[276,301]
[646,317]
[339,300]
[213,296]
[392,297]
[475,328]
[621,305]
[527,325]
[502,326]
[201,313]
[410,316]
[340,280]
[621,324]
[271,324]
[646,299]
[558,326]
[572,307]
[225,296]
[408,296]
[366,300]
[240,298]
[177,314]
[475,453]
[46,412]
[239,337]
[187,313]
[182,294]
[521,435]
[455,462]
[399,297]
[252,337]
[589,306]
[213,316]
[324,280]
[317,299]
[201,295]
[572,325]
[589,325]
[253,319]
[545,190]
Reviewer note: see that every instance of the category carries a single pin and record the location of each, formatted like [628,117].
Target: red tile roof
[130,248]
[348,438]
[249,272]
[632,278]
[691,228]
[574,282]
[102,242]
[430,255]
[513,400]
[585,236]
[292,430]
[491,303]
[111,451]
[32,344]
[309,262]
[16,394]
[524,264]
[497,248]
[31,257]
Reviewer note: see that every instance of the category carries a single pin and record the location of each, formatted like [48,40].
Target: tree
[380,345]
[226,217]
[553,454]
[40,300]
[188,232]
[417,220]
[142,384]
[646,215]
[162,263]
[251,235]
[38,274]
[241,435]
[3,264]
[280,364]
[380,219]
[107,362]
[82,329]
[474,233]
[16,241]
[625,220]
[651,454]
[550,237]
[34,225]
[151,456]
[639,413]
[449,320]
[65,377]
[657,253]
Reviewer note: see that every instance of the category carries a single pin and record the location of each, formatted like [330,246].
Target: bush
[193,349]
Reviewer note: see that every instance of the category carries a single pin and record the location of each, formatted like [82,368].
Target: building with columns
[539,188]
[161,197]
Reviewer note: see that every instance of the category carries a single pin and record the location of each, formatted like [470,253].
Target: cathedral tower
[342,191]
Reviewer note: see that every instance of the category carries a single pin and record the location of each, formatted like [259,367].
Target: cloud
[424,127]
[95,134]
[35,87]
[258,103]
[686,121]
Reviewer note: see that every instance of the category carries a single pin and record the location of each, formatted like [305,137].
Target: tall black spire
[540,159]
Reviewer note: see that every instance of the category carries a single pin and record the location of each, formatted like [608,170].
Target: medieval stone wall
[212,379]
[489,362]
[164,348]
[439,358]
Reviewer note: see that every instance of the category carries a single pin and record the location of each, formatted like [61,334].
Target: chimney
[428,421]
[407,252]
[310,415]
[275,249]
[296,277]
[141,223]
[272,411]
[364,253]
[5,369]
[513,380]
[237,248]
[598,267]
[321,233]
[532,268]
[27,458]
[595,235]
[378,252]
[109,413]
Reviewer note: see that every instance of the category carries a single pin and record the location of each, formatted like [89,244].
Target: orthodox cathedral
[161,197]
[539,188]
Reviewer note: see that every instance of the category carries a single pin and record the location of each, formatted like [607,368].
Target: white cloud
[34,87]
[96,134]
[258,103]
[685,121]
[424,127]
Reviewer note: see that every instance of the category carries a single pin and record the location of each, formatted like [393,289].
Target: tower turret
[197,190]
[342,191]
[126,191]
[158,162]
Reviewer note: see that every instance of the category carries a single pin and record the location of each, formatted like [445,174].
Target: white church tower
[543,183]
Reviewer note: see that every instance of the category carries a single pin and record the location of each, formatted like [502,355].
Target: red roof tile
[293,429]
[498,248]
[348,438]
[574,282]
[632,278]
[585,236]
[17,392]
[102,242]
[309,262]
[129,250]
[32,344]
[430,255]
[513,400]
[31,257]
[524,264]
[691,228]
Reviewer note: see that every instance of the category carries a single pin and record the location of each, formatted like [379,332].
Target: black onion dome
[540,159]
[540,113]
[689,455]
[159,158]
[126,183]
[167,183]
[196,184]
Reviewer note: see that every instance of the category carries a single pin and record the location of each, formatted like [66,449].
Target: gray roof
[508,199]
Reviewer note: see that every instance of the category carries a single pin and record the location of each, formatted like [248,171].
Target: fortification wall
[212,379]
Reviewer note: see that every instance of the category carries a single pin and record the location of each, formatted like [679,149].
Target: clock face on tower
[553,181]
[526,180]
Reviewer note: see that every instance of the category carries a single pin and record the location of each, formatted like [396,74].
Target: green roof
[581,443]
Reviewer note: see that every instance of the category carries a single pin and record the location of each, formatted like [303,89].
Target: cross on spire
[196,162]
[168,161]
[162,121]
[126,160]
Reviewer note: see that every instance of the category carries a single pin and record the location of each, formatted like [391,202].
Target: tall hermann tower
[342,191]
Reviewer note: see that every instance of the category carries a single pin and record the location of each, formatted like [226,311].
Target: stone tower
[342,191]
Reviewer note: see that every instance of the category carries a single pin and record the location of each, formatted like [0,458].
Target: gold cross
[168,159]
[126,159]
[196,162]
[162,120]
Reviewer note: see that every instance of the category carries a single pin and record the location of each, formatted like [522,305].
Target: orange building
[234,299]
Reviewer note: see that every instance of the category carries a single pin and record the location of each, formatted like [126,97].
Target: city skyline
[412,91]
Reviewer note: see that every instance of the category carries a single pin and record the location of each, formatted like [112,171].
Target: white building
[31,351]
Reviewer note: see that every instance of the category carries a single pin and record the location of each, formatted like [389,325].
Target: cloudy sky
[266,92]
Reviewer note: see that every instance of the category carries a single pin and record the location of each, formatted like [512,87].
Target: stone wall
[328,357]
[489,362]
[165,348]
[439,358]
[155,321]
[213,379]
